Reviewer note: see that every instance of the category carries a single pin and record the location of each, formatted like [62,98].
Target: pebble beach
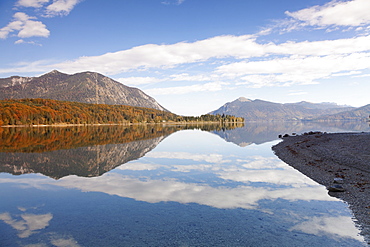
[339,161]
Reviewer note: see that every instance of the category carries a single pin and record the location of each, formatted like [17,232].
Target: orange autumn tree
[48,112]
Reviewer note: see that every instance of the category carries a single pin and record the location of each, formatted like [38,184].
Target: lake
[159,185]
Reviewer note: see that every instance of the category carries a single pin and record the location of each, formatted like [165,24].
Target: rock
[338,180]
[335,188]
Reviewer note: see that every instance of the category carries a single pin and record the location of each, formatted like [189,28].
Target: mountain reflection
[90,151]
[261,132]
[83,151]
[86,151]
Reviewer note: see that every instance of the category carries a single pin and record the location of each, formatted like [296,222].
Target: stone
[338,180]
[336,188]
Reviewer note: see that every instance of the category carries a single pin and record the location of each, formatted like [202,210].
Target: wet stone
[336,188]
[338,180]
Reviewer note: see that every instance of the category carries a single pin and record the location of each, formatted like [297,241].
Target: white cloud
[138,80]
[293,70]
[238,47]
[347,73]
[21,41]
[219,48]
[338,13]
[26,27]
[365,75]
[321,48]
[33,28]
[207,87]
[31,3]
[297,93]
[176,2]
[26,67]
[187,77]
[60,7]
[167,56]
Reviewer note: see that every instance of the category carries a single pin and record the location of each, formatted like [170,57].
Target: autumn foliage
[54,112]
[49,112]
[46,139]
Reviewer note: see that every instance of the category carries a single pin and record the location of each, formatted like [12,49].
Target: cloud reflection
[154,191]
[276,180]
[210,158]
[329,226]
[255,169]
[64,242]
[139,166]
[28,224]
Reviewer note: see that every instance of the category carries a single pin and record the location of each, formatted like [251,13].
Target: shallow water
[165,187]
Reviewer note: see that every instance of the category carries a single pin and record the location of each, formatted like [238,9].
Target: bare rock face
[85,87]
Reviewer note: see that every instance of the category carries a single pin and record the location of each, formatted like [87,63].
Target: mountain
[259,110]
[361,113]
[323,105]
[85,87]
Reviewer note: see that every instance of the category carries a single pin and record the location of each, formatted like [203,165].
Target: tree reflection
[86,151]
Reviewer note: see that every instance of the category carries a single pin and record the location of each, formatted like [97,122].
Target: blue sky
[193,56]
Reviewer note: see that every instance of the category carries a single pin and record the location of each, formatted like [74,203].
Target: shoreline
[337,159]
[118,124]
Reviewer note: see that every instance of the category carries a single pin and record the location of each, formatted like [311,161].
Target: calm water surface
[157,186]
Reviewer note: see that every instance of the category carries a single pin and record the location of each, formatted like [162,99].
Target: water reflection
[165,190]
[320,226]
[83,151]
[27,224]
[261,132]
[190,188]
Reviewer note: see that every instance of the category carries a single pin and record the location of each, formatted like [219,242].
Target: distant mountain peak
[54,72]
[243,99]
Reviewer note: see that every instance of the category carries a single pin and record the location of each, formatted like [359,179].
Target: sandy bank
[323,157]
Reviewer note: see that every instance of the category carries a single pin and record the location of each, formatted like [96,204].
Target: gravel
[334,160]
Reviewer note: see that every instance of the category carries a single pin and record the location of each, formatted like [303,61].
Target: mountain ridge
[261,110]
[84,87]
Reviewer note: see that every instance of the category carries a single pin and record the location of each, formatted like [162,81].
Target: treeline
[212,118]
[52,112]
[49,112]
[37,140]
